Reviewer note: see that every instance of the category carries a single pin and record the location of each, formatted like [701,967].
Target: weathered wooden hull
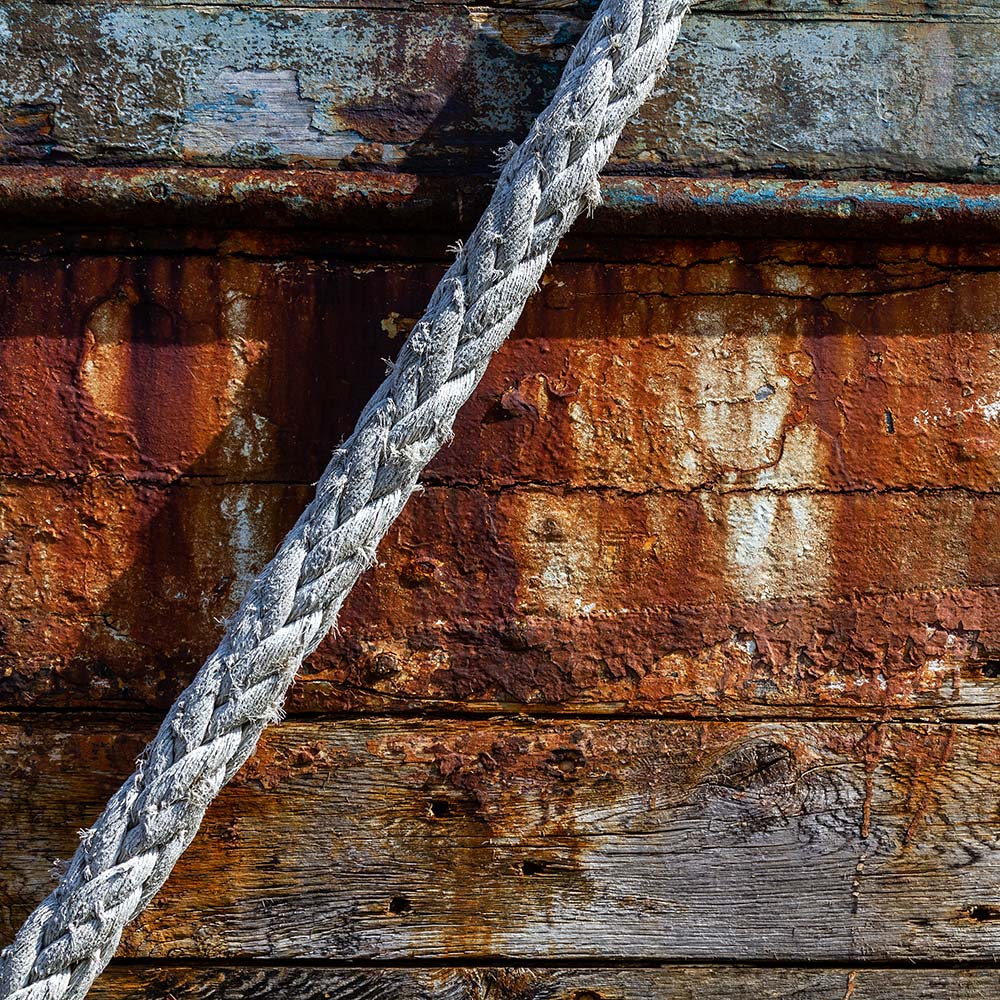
[681,677]
[577,840]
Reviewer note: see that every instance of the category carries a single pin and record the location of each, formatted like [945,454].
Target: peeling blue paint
[919,201]
[743,96]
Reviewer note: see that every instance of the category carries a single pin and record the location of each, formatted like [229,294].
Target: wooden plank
[678,982]
[921,10]
[117,82]
[838,10]
[578,841]
[680,365]
[590,600]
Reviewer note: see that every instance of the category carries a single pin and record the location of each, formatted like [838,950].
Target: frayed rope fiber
[215,724]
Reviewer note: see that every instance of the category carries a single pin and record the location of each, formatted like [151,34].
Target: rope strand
[215,724]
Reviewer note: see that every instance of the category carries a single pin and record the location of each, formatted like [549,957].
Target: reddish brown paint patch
[498,601]
[96,575]
[719,478]
[895,653]
[157,367]
[715,364]
[787,366]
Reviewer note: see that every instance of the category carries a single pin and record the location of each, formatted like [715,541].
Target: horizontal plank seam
[597,963]
[57,719]
[496,488]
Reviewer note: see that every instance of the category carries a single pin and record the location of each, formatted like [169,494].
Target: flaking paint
[623,517]
[779,95]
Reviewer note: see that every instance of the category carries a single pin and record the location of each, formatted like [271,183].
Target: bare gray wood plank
[439,88]
[576,840]
[681,982]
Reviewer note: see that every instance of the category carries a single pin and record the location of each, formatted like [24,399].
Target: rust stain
[274,763]
[156,380]
[780,377]
[26,131]
[935,754]
[873,747]
[154,367]
[636,206]
[401,117]
[852,980]
[676,490]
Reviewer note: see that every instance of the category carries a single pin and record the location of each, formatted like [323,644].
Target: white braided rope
[216,722]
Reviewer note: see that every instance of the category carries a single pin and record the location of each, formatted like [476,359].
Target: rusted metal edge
[145,197]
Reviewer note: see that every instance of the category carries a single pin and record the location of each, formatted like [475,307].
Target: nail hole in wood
[400,904]
[440,808]
[569,761]
[530,867]
[991,668]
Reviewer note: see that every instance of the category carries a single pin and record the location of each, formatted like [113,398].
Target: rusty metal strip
[280,199]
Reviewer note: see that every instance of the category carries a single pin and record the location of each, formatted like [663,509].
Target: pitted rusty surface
[739,462]
[721,477]
[732,366]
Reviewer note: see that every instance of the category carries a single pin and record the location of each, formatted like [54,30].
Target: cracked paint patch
[258,114]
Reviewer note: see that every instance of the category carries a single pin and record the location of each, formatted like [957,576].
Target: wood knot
[755,767]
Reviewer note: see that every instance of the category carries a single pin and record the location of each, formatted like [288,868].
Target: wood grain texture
[576,840]
[687,982]
[117,83]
